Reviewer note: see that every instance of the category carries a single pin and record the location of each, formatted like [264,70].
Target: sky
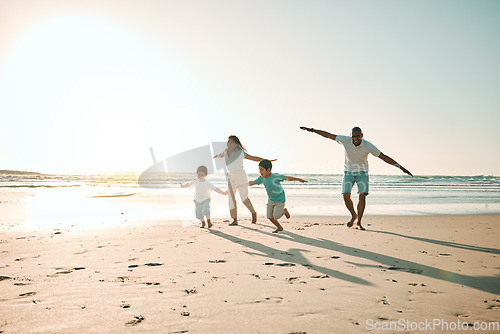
[90,86]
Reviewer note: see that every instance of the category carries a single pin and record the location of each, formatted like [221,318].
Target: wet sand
[317,276]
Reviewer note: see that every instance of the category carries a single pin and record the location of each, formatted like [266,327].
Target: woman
[234,155]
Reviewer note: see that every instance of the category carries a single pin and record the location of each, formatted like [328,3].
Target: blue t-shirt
[273,187]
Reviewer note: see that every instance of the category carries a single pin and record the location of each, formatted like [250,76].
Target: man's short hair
[356,129]
[266,164]
[202,169]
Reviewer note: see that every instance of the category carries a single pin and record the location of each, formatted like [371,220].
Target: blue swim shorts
[360,178]
[202,209]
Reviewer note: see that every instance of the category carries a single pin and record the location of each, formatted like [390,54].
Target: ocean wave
[18,179]
[113,195]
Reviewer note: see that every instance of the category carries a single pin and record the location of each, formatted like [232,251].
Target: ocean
[54,200]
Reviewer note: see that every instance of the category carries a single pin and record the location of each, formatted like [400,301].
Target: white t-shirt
[202,189]
[356,157]
[234,162]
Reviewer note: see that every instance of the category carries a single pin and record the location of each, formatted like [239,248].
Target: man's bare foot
[351,222]
[279,229]
[234,223]
[360,227]
[210,224]
[287,214]
[254,218]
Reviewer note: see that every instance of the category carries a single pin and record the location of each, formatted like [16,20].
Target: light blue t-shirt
[273,186]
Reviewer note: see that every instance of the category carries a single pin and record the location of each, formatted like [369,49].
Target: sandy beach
[315,277]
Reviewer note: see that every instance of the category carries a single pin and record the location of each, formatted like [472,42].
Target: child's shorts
[202,209]
[350,178]
[275,209]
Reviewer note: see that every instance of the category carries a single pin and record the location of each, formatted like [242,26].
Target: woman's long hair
[237,141]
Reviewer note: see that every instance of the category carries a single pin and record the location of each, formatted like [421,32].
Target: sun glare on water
[70,208]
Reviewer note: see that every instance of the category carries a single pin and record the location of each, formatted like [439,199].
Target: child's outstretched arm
[184,185]
[221,155]
[256,159]
[291,178]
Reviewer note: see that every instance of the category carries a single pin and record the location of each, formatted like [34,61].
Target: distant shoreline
[25,172]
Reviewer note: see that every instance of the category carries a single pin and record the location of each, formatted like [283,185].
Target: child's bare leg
[202,224]
[277,224]
[209,222]
[287,214]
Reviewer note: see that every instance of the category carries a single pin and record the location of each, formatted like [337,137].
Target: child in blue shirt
[276,194]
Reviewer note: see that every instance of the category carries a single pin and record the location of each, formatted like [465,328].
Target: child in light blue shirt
[275,193]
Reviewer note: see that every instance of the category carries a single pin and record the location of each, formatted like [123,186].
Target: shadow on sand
[489,284]
[443,243]
[293,255]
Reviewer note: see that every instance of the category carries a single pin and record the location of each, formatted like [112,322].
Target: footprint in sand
[122,279]
[461,315]
[137,320]
[293,280]
[82,252]
[27,294]
[286,264]
[270,300]
[153,264]
[493,307]
[125,305]
[64,272]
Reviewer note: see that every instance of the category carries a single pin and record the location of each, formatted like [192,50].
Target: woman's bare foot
[234,223]
[360,227]
[351,222]
[279,229]
[210,224]
[287,214]
[254,218]
[202,224]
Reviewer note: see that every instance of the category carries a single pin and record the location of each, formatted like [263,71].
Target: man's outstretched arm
[320,132]
[391,161]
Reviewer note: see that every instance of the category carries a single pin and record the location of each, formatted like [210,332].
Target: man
[356,168]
